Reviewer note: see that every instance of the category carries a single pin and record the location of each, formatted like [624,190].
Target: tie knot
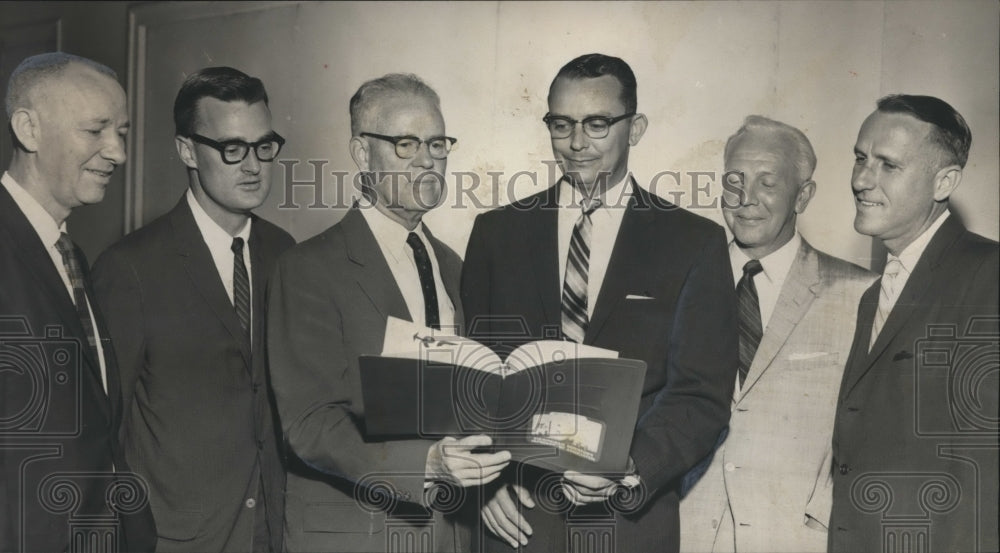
[237,246]
[892,267]
[64,244]
[414,241]
[752,268]
[589,205]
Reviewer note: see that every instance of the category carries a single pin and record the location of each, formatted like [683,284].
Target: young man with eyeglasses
[330,299]
[184,298]
[605,263]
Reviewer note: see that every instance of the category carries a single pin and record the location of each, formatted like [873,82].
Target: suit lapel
[631,250]
[197,260]
[542,237]
[450,275]
[258,283]
[797,294]
[376,281]
[858,362]
[35,257]
[913,295]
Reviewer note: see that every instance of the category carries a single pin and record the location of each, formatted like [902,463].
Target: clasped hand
[453,461]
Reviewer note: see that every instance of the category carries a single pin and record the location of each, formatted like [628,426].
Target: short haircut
[365,102]
[802,152]
[35,70]
[951,134]
[591,66]
[222,83]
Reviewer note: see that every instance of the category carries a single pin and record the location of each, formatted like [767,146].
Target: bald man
[64,481]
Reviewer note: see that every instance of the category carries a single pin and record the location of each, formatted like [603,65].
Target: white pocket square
[809,355]
[638,297]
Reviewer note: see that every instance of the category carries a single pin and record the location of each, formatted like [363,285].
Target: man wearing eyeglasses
[608,264]
[330,300]
[184,298]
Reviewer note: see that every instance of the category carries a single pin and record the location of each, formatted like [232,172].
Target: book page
[407,340]
[538,353]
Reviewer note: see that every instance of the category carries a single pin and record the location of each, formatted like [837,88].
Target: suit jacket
[198,425]
[915,439]
[685,331]
[330,299]
[58,427]
[771,472]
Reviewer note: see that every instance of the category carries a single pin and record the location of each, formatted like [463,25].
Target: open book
[555,404]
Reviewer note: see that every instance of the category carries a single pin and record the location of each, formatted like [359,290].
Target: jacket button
[260,444]
[730,467]
[251,503]
[256,387]
[844,469]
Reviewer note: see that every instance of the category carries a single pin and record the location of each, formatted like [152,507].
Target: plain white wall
[701,67]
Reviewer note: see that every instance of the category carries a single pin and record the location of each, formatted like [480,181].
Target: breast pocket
[813,360]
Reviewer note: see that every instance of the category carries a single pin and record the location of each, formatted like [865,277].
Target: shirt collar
[210,230]
[387,232]
[43,223]
[775,264]
[911,254]
[616,196]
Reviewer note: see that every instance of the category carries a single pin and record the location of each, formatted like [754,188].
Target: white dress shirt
[391,238]
[220,245]
[49,233]
[769,281]
[910,255]
[605,222]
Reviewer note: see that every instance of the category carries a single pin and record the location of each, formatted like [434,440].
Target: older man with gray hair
[766,488]
[60,399]
[331,297]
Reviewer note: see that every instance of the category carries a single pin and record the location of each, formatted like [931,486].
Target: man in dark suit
[915,437]
[628,272]
[184,298]
[330,300]
[65,483]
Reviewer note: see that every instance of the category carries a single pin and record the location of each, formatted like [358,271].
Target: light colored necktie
[887,296]
[574,294]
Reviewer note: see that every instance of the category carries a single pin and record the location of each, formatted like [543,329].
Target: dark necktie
[71,262]
[426,272]
[241,287]
[574,293]
[750,327]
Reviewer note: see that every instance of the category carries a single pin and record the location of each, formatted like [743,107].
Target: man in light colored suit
[330,299]
[766,488]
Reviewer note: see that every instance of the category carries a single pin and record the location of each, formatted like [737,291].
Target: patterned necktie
[426,273]
[887,296]
[750,326]
[71,261]
[241,287]
[574,292]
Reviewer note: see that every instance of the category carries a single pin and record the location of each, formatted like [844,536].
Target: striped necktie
[574,293]
[751,329]
[74,270]
[241,287]
[887,296]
